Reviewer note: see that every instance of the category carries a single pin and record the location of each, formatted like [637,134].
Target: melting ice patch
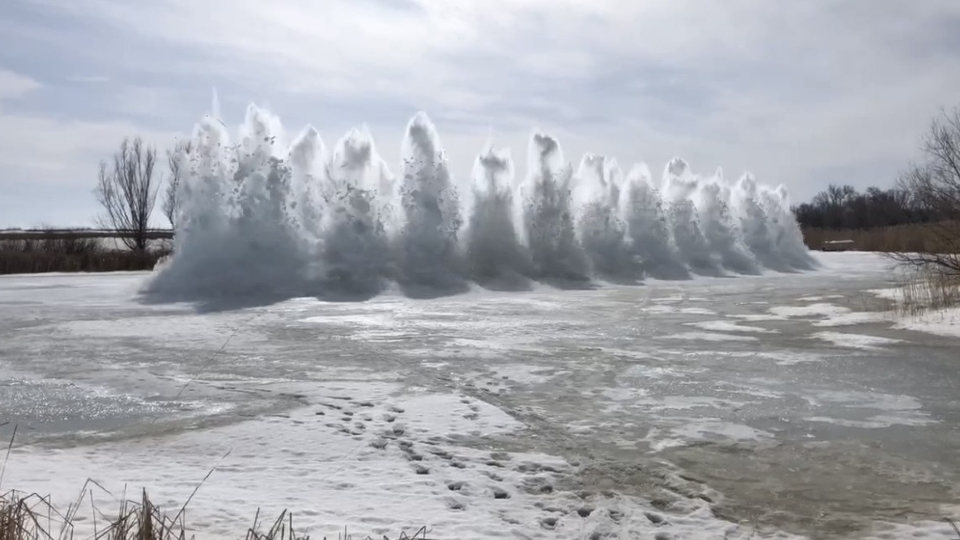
[855,341]
[709,336]
[727,326]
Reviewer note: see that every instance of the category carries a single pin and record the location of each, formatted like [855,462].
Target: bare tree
[175,162]
[935,186]
[127,191]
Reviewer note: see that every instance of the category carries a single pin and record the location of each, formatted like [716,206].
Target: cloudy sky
[800,93]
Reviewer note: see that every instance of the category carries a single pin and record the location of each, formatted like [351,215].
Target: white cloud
[42,158]
[46,149]
[91,79]
[805,93]
[14,85]
[64,151]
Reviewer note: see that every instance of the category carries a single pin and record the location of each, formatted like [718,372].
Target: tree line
[927,192]
[843,207]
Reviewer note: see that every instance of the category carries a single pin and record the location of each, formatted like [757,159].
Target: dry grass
[40,255]
[922,285]
[32,517]
[29,516]
[914,238]
[927,288]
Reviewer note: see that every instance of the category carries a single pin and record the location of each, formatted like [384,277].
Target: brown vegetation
[32,517]
[927,288]
[39,255]
[935,183]
[911,238]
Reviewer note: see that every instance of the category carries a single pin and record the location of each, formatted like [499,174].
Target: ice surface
[727,326]
[266,217]
[612,411]
[943,322]
[710,336]
[391,462]
[892,409]
[812,310]
[855,341]
[854,318]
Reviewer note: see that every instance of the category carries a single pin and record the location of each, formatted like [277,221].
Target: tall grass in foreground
[32,517]
[926,288]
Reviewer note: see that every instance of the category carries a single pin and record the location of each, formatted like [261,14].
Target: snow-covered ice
[856,341]
[621,411]
[944,322]
[728,326]
[710,336]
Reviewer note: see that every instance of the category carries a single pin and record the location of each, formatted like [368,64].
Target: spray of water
[263,218]
[495,257]
[679,187]
[237,238]
[427,250]
[719,227]
[601,228]
[548,215]
[354,248]
[649,237]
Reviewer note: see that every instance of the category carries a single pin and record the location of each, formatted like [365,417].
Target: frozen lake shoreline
[786,400]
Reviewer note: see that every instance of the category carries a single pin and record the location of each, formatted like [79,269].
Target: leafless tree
[935,186]
[175,162]
[127,191]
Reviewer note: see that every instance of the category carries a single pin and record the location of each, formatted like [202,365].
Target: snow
[727,326]
[662,309]
[813,310]
[854,318]
[819,298]
[941,322]
[855,341]
[945,322]
[889,410]
[393,413]
[709,336]
[892,293]
[707,429]
[379,461]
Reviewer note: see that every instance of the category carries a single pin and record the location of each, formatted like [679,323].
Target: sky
[803,94]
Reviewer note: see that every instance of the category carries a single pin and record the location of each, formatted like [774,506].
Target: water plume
[756,228]
[719,227]
[427,252]
[548,216]
[354,254]
[679,186]
[236,240]
[495,257]
[601,228]
[785,231]
[264,219]
[649,238]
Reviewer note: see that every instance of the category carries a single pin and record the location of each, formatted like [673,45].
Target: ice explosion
[273,220]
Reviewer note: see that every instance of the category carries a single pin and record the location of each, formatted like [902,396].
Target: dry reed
[32,517]
[40,255]
[912,238]
[926,288]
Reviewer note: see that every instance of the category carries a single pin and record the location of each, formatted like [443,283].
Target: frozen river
[772,406]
